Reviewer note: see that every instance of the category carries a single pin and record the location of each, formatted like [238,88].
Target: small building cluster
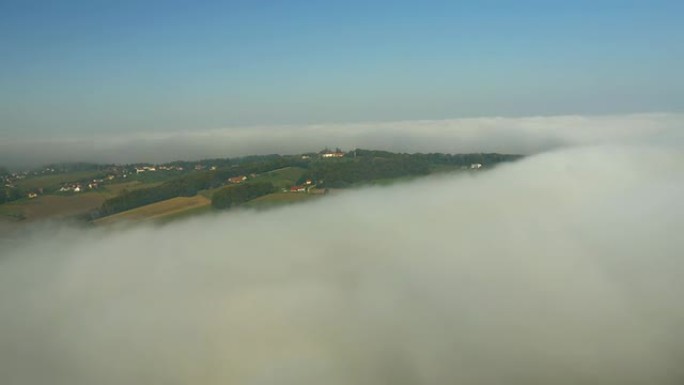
[71,188]
[138,170]
[79,187]
[9,180]
[332,154]
[170,168]
[307,187]
[298,189]
[153,168]
[237,179]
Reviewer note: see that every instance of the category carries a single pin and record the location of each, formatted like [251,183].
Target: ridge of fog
[525,135]
[562,268]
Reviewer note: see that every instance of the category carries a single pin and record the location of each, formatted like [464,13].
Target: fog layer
[563,268]
[526,135]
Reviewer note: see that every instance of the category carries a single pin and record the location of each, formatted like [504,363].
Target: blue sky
[71,68]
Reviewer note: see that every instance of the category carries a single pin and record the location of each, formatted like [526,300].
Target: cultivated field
[283,177]
[159,210]
[117,188]
[55,180]
[52,206]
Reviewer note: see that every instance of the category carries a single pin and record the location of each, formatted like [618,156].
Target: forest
[231,196]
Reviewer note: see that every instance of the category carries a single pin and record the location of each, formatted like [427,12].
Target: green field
[52,181]
[52,206]
[175,208]
[191,212]
[158,210]
[117,188]
[63,205]
[280,178]
[184,207]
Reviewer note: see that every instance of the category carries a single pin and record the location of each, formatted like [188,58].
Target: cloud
[529,135]
[562,268]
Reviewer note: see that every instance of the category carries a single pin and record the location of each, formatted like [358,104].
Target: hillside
[137,192]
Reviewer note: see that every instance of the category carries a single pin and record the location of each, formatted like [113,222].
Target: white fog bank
[563,268]
[526,135]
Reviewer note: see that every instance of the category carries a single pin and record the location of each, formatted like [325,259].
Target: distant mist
[562,268]
[529,135]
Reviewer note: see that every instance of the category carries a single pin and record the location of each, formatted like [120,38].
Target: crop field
[191,212]
[116,188]
[52,206]
[55,180]
[158,210]
[55,206]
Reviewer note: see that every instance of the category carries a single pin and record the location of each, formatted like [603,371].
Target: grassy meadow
[159,210]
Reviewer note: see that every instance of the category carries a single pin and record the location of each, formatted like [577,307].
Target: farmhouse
[237,179]
[332,154]
[138,170]
[298,189]
[72,187]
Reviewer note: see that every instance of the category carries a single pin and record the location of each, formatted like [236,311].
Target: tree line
[190,184]
[231,196]
[340,173]
[358,166]
[361,166]
[8,194]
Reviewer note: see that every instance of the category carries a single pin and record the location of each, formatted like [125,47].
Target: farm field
[184,207]
[159,210]
[116,188]
[191,212]
[55,180]
[280,178]
[52,206]
[59,206]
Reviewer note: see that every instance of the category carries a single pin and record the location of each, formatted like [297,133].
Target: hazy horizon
[77,68]
[518,135]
